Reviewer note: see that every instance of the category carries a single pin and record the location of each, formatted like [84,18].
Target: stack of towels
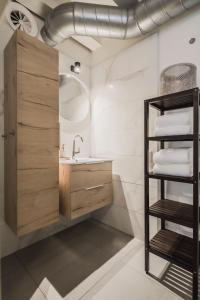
[177,162]
[174,124]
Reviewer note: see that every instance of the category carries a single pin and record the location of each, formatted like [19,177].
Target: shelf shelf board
[171,178]
[174,101]
[173,211]
[174,247]
[171,138]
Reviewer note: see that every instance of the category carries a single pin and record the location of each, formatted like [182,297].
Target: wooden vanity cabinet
[85,188]
[31,134]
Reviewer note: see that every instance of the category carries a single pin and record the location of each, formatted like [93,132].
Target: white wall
[9,241]
[70,129]
[174,48]
[117,124]
[119,87]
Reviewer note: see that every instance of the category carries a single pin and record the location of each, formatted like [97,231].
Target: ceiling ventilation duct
[20,18]
[95,20]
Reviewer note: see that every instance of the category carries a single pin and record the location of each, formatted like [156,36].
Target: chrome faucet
[74,145]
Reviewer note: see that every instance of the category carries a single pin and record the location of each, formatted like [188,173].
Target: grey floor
[66,259]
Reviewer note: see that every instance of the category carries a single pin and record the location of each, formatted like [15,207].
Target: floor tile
[122,281]
[70,276]
[9,264]
[41,265]
[170,296]
[38,295]
[17,284]
[108,239]
[79,246]
[66,258]
[46,291]
[73,274]
[157,264]
[75,231]
[104,272]
[97,258]
[128,283]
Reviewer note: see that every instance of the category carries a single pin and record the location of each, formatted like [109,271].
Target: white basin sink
[82,160]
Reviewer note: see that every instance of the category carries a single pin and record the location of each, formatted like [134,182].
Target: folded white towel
[184,118]
[173,130]
[173,156]
[185,170]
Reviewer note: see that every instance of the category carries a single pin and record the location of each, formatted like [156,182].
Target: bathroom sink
[82,160]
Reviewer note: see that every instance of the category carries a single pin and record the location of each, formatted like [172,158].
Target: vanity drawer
[90,199]
[86,176]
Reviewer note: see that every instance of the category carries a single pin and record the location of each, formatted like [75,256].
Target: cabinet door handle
[4,136]
[95,187]
[12,132]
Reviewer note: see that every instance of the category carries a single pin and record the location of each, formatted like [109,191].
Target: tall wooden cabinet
[31,134]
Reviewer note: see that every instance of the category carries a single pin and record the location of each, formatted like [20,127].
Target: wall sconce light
[76,68]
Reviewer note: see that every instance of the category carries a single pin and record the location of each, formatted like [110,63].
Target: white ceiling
[58,2]
[103,2]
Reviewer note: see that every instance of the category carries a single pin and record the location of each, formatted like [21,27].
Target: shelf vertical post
[162,183]
[195,192]
[146,183]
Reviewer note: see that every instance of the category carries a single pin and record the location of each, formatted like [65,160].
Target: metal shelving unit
[175,248]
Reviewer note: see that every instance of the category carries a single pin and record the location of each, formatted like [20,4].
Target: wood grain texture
[37,148]
[36,58]
[87,175]
[37,199]
[64,189]
[10,121]
[85,188]
[34,107]
[86,201]
[35,168]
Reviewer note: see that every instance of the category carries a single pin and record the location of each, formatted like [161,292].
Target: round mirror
[73,98]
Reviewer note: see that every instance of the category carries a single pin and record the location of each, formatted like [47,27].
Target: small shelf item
[174,247]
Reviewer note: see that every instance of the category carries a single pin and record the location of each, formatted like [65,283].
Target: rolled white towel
[184,118]
[173,130]
[185,170]
[173,156]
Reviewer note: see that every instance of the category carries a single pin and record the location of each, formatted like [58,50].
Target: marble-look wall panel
[119,87]
[174,47]
[70,129]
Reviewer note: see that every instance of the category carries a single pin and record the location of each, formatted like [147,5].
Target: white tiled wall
[174,47]
[119,87]
[70,129]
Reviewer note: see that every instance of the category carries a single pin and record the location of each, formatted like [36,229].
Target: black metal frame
[190,99]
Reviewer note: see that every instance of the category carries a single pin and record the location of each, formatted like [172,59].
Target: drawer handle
[95,187]
[12,132]
[95,162]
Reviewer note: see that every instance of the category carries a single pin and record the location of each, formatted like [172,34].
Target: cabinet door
[10,115]
[37,135]
[36,58]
